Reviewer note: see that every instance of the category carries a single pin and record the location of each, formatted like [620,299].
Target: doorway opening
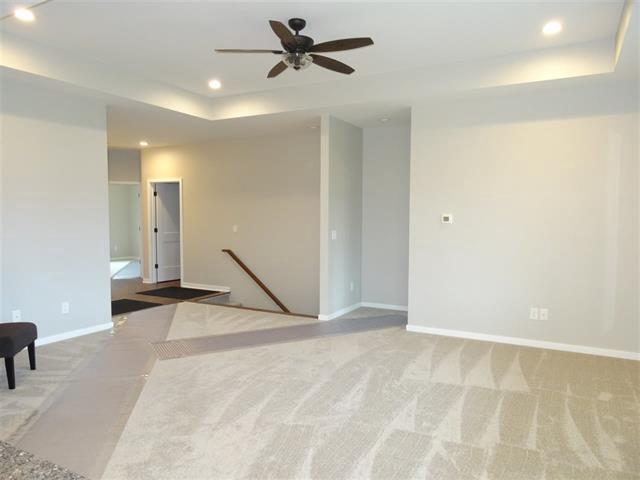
[165,232]
[125,230]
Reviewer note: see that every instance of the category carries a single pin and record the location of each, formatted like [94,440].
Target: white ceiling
[149,61]
[173,41]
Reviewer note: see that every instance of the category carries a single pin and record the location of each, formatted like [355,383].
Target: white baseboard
[385,306]
[339,313]
[526,342]
[147,280]
[355,306]
[73,333]
[122,259]
[202,286]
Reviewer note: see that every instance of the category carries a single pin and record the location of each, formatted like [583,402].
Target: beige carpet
[385,404]
[37,389]
[194,319]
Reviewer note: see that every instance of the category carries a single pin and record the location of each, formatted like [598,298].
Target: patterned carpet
[385,404]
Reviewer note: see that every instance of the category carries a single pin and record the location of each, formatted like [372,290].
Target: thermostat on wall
[446,218]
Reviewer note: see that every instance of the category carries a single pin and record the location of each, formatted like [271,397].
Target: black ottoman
[13,338]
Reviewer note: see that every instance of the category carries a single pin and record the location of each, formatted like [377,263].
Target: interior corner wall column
[324,218]
[341,217]
[385,215]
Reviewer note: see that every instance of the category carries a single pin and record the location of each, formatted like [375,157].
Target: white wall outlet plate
[446,218]
[235,229]
[544,314]
[16,316]
[533,313]
[64,307]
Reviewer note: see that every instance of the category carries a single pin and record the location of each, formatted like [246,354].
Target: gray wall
[266,185]
[54,209]
[124,220]
[342,212]
[543,188]
[124,165]
[385,215]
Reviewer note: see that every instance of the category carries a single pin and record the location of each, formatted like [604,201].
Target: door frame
[153,277]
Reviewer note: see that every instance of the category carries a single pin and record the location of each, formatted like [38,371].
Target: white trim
[122,259]
[147,280]
[123,182]
[526,342]
[202,286]
[152,247]
[385,306]
[73,333]
[339,313]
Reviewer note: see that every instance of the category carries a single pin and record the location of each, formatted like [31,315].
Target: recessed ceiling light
[144,143]
[384,119]
[552,28]
[24,15]
[215,84]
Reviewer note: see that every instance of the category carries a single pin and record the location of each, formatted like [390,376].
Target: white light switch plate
[533,313]
[16,315]
[334,234]
[544,314]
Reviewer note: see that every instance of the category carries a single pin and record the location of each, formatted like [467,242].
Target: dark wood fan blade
[332,64]
[340,45]
[277,70]
[282,32]
[240,50]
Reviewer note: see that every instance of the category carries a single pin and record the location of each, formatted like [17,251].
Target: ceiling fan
[300,51]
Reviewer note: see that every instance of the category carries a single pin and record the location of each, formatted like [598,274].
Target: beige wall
[267,186]
[124,165]
[543,188]
[385,215]
[124,220]
[55,245]
[341,213]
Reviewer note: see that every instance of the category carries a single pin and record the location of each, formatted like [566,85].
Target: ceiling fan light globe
[297,60]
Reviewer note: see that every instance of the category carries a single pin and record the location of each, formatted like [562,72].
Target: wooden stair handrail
[256,279]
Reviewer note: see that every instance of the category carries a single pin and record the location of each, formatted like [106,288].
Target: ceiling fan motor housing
[301,44]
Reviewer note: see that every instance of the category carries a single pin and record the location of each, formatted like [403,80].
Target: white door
[167,231]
